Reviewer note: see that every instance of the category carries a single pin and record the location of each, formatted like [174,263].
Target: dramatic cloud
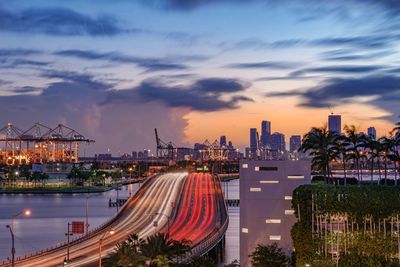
[264,65]
[353,55]
[57,21]
[5,53]
[72,101]
[342,69]
[368,42]
[6,63]
[392,6]
[202,95]
[150,64]
[336,91]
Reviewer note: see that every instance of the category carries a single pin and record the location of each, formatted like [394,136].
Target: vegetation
[269,256]
[156,250]
[353,225]
[353,150]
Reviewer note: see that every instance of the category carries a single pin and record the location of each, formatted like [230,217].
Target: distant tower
[335,123]
[253,142]
[372,132]
[222,140]
[278,142]
[295,143]
[265,133]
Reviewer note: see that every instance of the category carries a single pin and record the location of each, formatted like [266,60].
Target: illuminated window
[269,182]
[255,189]
[288,197]
[273,221]
[289,212]
[268,168]
[245,165]
[256,168]
[245,230]
[275,237]
[295,177]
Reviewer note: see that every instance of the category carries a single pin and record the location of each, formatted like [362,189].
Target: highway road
[201,211]
[156,197]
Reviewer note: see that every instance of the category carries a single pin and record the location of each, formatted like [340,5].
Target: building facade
[253,143]
[266,213]
[372,132]
[278,142]
[335,123]
[294,143]
[265,133]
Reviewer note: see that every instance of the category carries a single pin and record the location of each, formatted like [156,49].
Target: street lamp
[130,172]
[11,228]
[101,243]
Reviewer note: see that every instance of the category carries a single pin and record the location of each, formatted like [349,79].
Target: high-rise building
[372,132]
[335,123]
[253,143]
[265,133]
[222,140]
[294,143]
[266,212]
[278,142]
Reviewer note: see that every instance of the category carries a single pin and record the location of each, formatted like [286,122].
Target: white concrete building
[266,213]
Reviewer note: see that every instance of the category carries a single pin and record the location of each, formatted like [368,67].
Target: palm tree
[355,141]
[320,143]
[374,150]
[269,256]
[388,145]
[127,254]
[161,244]
[341,147]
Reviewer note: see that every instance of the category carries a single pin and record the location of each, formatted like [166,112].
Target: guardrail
[214,238]
[79,239]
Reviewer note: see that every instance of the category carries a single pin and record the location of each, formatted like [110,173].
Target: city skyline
[197,70]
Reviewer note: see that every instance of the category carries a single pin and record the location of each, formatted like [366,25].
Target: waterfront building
[372,132]
[254,141]
[335,123]
[222,140]
[278,142]
[266,213]
[265,133]
[294,143]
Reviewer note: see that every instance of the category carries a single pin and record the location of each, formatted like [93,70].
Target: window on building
[295,177]
[275,237]
[288,197]
[268,168]
[245,230]
[269,182]
[245,165]
[255,189]
[289,212]
[273,221]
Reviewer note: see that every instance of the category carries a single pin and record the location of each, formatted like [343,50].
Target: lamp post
[101,244]
[11,228]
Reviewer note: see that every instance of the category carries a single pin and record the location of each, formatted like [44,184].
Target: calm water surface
[51,213]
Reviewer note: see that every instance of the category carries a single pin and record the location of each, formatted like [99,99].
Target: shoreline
[65,190]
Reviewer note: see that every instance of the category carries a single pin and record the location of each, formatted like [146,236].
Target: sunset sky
[197,69]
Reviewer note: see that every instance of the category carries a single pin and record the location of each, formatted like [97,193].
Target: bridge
[189,206]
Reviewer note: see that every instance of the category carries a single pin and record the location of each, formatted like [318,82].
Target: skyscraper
[253,142]
[278,142]
[265,133]
[222,140]
[295,143]
[372,132]
[335,123]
